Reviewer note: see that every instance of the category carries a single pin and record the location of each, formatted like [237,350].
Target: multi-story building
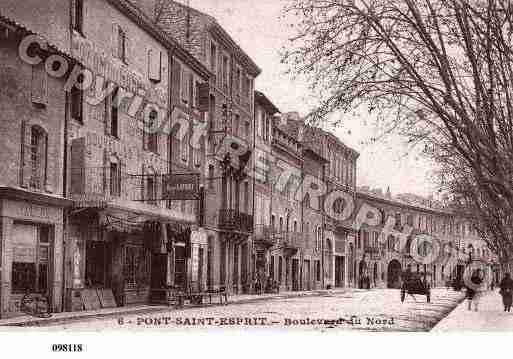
[132,233]
[229,197]
[339,249]
[32,187]
[380,258]
[264,239]
[102,201]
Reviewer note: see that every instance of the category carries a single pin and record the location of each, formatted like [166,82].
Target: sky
[256,25]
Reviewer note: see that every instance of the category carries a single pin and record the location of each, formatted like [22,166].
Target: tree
[437,71]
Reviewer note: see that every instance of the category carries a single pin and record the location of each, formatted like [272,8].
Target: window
[237,81]
[307,200]
[77,13]
[153,136]
[30,267]
[271,268]
[213,57]
[225,72]
[184,149]
[236,124]
[115,180]
[280,269]
[318,270]
[122,41]
[154,65]
[246,129]
[281,224]
[273,222]
[114,122]
[210,177]
[295,226]
[246,197]
[150,190]
[38,157]
[77,104]
[184,86]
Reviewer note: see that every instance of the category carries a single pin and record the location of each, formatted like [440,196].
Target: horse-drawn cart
[415,283]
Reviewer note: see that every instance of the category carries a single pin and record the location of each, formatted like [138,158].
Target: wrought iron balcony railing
[233,220]
[264,234]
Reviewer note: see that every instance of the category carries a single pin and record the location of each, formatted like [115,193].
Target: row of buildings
[96,211]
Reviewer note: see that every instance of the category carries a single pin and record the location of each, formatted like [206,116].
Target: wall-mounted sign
[181,187]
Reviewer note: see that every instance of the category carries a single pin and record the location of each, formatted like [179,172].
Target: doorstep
[56,318]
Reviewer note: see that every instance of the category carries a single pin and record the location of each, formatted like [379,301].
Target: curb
[460,303]
[53,321]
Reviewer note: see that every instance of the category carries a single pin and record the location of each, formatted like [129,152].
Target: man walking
[506,292]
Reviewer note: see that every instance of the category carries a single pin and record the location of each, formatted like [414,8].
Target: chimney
[389,194]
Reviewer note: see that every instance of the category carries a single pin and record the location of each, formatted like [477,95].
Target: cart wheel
[403,295]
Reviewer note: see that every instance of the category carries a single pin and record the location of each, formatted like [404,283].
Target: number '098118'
[67,348]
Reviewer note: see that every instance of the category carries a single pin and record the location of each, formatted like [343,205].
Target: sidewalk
[490,317]
[56,318]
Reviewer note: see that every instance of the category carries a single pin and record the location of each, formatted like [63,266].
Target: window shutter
[115,40]
[73,15]
[47,170]
[106,170]
[154,65]
[191,90]
[176,81]
[128,48]
[39,82]
[107,113]
[143,183]
[121,172]
[145,135]
[25,167]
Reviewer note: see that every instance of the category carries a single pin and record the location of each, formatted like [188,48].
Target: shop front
[31,246]
[120,256]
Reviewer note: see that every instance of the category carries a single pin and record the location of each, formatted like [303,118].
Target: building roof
[263,100]
[396,202]
[212,25]
[143,20]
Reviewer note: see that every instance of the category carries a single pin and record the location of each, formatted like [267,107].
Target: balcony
[293,242]
[233,220]
[373,252]
[265,236]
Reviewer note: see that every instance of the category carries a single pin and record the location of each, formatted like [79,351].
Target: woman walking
[474,291]
[506,291]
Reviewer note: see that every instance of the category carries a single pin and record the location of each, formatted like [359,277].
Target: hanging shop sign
[181,187]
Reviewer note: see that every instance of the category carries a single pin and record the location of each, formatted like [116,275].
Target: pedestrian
[506,292]
[475,290]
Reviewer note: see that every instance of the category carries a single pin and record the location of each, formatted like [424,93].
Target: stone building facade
[32,198]
[229,196]
[122,194]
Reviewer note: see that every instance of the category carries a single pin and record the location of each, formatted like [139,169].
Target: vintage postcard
[293,165]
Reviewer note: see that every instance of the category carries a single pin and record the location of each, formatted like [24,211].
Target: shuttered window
[154,65]
[39,85]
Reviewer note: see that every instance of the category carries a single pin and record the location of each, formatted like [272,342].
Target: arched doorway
[394,274]
[362,274]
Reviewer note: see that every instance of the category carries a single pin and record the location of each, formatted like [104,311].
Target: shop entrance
[295,271]
[180,267]
[306,272]
[159,271]
[394,274]
[98,264]
[339,271]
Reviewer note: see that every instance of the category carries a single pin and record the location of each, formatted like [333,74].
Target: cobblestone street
[374,310]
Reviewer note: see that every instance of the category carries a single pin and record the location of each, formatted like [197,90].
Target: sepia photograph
[300,166]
